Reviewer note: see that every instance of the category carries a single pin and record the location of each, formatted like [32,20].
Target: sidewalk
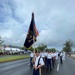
[73,56]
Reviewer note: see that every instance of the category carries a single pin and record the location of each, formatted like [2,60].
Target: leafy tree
[53,50]
[68,46]
[1,41]
[23,48]
[41,47]
[31,48]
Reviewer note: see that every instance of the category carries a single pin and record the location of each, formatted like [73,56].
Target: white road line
[58,67]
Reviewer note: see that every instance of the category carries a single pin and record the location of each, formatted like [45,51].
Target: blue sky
[55,21]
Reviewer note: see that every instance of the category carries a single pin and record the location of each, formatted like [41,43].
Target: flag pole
[33,36]
[40,71]
[34,52]
[34,44]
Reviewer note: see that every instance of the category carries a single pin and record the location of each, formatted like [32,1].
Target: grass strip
[13,58]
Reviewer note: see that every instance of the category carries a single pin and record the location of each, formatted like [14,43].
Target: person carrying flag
[38,63]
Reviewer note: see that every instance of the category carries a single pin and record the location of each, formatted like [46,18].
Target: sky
[54,19]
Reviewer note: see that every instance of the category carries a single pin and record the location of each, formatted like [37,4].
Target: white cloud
[8,34]
[55,21]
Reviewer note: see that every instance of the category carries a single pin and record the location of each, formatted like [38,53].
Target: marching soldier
[53,59]
[42,54]
[56,55]
[31,57]
[49,60]
[46,58]
[38,63]
[61,55]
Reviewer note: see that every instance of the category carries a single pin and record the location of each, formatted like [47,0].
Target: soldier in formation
[45,59]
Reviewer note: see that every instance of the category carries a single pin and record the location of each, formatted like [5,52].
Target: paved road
[21,67]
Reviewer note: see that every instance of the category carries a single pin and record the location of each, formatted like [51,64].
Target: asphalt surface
[21,67]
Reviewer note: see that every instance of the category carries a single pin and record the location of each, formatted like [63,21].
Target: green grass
[13,58]
[0,50]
